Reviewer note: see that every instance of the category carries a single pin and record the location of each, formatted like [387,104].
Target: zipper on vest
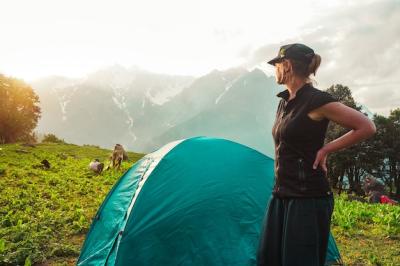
[301,174]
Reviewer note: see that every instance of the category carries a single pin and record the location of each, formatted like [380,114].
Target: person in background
[96,166]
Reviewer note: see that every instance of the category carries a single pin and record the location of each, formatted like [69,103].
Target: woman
[297,224]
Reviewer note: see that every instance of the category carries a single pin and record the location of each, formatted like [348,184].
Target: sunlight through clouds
[75,38]
[72,38]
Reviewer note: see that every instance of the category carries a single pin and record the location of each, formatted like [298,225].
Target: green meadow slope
[45,214]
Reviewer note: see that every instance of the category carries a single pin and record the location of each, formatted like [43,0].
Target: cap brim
[275,60]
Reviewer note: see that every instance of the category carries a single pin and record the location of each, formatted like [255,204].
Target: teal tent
[197,201]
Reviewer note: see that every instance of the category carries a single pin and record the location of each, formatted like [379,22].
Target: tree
[52,139]
[381,146]
[378,156]
[388,135]
[349,162]
[19,110]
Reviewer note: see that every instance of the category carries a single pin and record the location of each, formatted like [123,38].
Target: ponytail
[304,70]
[314,64]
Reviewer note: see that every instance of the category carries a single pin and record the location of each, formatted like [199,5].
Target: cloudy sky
[358,40]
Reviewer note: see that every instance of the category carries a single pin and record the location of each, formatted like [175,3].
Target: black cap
[295,51]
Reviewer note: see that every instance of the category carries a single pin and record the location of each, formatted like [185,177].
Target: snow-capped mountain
[105,106]
[243,110]
[144,110]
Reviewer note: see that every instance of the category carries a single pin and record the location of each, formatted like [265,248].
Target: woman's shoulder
[313,90]
[316,92]
[319,97]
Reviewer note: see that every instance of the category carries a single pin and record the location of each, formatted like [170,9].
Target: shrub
[52,138]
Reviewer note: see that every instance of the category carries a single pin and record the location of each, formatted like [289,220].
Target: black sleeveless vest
[297,140]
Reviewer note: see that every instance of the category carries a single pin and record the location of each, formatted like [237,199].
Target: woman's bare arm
[362,128]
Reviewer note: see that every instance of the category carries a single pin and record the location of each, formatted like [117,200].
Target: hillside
[45,214]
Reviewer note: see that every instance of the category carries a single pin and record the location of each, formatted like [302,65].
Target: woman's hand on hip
[320,159]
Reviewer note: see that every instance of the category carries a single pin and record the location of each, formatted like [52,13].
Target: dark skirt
[295,231]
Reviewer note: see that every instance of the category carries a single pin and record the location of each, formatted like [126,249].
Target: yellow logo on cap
[282,52]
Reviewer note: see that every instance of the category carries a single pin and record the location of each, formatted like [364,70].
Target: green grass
[45,214]
[366,234]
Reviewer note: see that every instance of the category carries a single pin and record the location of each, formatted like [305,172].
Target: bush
[353,215]
[52,139]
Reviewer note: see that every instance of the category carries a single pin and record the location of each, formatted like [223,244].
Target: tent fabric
[196,201]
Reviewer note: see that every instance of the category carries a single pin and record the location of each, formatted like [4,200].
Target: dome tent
[196,201]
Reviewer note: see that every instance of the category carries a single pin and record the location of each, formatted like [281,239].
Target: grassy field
[366,234]
[45,214]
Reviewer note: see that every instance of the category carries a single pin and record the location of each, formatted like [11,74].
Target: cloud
[360,48]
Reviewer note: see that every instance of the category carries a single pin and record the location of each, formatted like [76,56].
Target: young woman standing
[297,224]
